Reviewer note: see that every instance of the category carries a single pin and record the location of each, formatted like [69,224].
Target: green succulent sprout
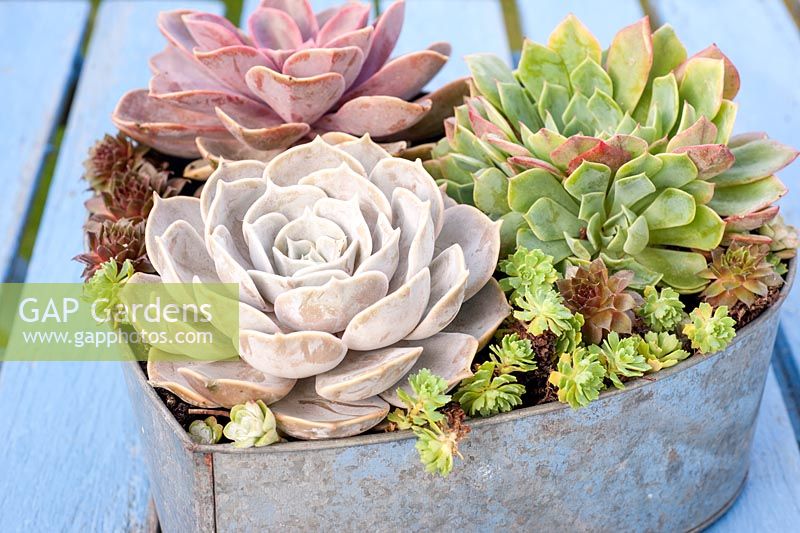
[527,270]
[709,329]
[661,311]
[624,155]
[252,424]
[621,357]
[487,394]
[436,449]
[661,350]
[543,310]
[571,338]
[437,442]
[512,355]
[106,283]
[777,264]
[579,377]
[428,395]
[493,389]
[207,431]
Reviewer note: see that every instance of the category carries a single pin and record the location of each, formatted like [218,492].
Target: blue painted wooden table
[70,457]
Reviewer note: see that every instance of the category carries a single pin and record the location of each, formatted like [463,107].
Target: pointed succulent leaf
[491,192]
[537,65]
[747,198]
[629,60]
[574,43]
[702,85]
[755,160]
[488,71]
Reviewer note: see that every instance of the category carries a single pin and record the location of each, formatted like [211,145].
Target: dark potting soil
[743,315]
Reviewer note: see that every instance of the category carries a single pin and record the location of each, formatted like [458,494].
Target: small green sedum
[106,283]
[543,310]
[252,424]
[527,270]
[661,350]
[206,431]
[579,377]
[709,329]
[661,311]
[621,358]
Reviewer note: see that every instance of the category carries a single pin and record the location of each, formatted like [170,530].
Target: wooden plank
[39,48]
[469,26]
[762,41]
[770,500]
[71,449]
[540,17]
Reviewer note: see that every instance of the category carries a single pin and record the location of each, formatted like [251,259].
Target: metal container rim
[379,438]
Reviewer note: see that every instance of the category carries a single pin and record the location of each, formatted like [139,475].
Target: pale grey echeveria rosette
[354,271]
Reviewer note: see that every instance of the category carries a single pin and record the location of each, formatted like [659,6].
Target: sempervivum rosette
[353,271]
[294,74]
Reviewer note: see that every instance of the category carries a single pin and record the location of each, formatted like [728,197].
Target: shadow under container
[667,453]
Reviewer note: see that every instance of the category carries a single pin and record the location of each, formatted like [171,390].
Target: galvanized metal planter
[664,455]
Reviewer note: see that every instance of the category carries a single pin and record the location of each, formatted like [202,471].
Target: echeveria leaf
[664,104]
[726,116]
[755,160]
[606,112]
[704,232]
[487,71]
[539,64]
[702,85]
[679,269]
[550,221]
[518,106]
[590,76]
[746,198]
[645,163]
[553,101]
[676,171]
[574,43]
[588,178]
[628,63]
[527,187]
[670,209]
[491,192]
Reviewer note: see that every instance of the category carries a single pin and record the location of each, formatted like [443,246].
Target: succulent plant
[352,274]
[106,283]
[620,357]
[661,350]
[493,388]
[543,310]
[661,310]
[783,237]
[710,330]
[422,401]
[109,157]
[579,377]
[601,299]
[512,355]
[121,240]
[206,431]
[222,92]
[739,273]
[625,161]
[527,270]
[130,194]
[572,337]
[252,424]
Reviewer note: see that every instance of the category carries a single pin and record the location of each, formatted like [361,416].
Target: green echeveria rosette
[624,155]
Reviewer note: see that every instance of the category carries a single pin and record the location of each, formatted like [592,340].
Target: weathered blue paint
[71,459]
[662,455]
[39,49]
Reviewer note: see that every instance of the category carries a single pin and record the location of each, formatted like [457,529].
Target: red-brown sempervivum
[739,273]
[602,299]
[218,91]
[119,240]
